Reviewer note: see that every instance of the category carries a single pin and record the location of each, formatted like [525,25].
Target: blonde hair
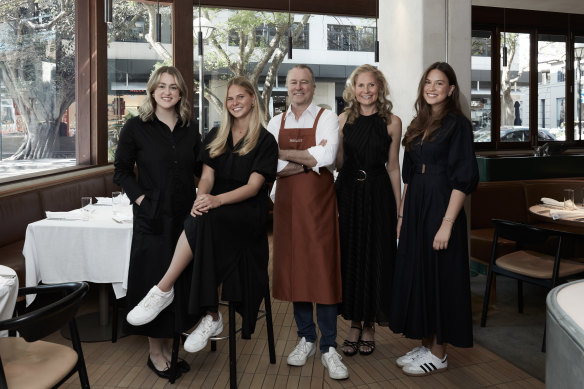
[383,104]
[183,107]
[219,145]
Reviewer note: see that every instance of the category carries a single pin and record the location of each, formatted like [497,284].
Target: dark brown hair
[425,121]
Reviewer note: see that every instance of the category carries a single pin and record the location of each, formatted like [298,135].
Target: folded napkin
[104,200]
[549,201]
[557,214]
[123,218]
[71,215]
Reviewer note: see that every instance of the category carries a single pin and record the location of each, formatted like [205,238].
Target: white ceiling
[569,6]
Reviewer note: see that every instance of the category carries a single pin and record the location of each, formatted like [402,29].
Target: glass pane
[515,88]
[480,105]
[229,51]
[37,87]
[578,88]
[132,56]
[551,88]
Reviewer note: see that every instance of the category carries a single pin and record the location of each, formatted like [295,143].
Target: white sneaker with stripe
[425,364]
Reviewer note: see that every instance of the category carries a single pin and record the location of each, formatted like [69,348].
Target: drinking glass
[116,201]
[86,207]
[569,199]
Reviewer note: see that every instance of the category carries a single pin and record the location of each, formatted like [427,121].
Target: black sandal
[367,343]
[353,345]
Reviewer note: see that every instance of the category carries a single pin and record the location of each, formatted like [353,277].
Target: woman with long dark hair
[431,293]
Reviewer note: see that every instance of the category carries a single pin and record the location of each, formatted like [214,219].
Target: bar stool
[267,313]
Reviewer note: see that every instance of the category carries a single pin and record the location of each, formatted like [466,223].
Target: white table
[97,250]
[8,293]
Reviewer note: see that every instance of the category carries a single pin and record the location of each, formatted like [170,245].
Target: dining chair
[30,362]
[528,263]
[267,313]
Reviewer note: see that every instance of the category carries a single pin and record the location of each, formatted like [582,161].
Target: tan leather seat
[537,265]
[35,365]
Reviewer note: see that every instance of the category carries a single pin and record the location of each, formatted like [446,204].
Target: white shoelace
[335,360]
[300,349]
[152,299]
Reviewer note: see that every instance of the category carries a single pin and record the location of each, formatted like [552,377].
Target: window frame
[498,20]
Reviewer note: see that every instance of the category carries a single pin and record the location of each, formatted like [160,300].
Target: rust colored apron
[306,263]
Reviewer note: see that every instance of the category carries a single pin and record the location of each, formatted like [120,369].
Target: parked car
[521,134]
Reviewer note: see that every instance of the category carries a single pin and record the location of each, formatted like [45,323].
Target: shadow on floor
[515,337]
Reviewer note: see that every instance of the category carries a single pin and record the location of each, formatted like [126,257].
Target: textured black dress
[167,165]
[367,221]
[230,243]
[431,293]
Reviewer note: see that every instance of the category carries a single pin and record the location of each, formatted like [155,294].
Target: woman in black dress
[164,144]
[431,293]
[368,190]
[226,235]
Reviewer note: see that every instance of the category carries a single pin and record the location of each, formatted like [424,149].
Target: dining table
[63,248]
[559,216]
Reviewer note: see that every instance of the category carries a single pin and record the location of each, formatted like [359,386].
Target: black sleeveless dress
[367,221]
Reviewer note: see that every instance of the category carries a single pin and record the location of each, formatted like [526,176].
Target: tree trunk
[39,142]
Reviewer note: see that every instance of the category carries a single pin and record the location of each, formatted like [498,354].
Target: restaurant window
[132,56]
[515,91]
[480,105]
[578,87]
[266,63]
[551,59]
[37,58]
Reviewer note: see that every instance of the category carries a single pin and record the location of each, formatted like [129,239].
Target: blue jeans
[326,316]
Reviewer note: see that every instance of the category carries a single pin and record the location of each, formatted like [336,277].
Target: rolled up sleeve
[328,128]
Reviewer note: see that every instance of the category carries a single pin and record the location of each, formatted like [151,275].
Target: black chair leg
[270,326]
[232,351]
[174,358]
[81,368]
[520,295]
[486,297]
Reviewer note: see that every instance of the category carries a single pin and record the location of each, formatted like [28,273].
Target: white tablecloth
[97,250]
[8,294]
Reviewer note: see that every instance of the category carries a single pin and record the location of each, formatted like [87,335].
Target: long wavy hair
[182,108]
[219,145]
[383,104]
[425,121]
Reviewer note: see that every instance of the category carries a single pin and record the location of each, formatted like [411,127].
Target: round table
[542,212]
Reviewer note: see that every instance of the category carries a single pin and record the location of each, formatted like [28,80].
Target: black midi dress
[230,242]
[367,221]
[167,164]
[431,293]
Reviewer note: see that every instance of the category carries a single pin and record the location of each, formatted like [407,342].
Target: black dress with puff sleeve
[431,293]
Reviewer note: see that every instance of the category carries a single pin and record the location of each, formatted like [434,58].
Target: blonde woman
[368,192]
[163,144]
[225,237]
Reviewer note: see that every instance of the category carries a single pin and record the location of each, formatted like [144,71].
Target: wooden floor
[123,364]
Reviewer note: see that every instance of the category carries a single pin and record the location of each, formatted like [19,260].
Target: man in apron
[307,266]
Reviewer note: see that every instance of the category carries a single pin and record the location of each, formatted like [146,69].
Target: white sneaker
[411,355]
[206,329]
[301,352]
[150,306]
[425,364]
[332,362]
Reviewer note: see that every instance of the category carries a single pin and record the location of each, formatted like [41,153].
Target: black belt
[362,175]
[429,169]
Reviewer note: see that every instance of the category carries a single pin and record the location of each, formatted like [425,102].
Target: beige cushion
[537,265]
[35,365]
